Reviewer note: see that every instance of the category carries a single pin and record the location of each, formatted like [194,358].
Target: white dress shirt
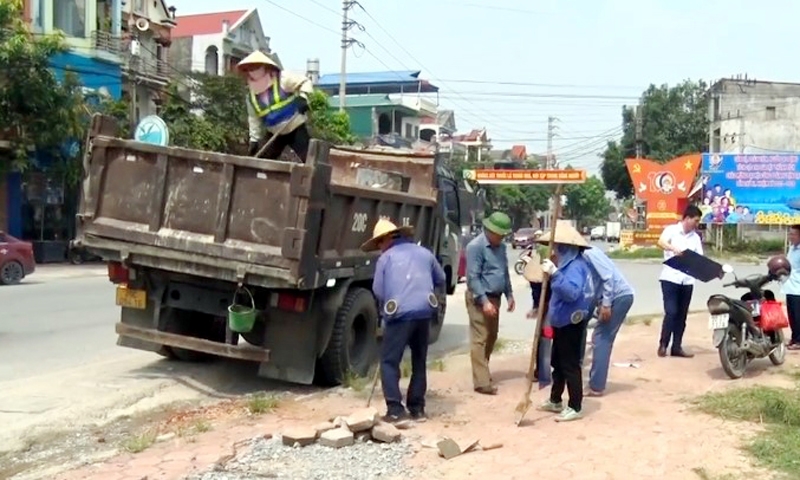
[676,236]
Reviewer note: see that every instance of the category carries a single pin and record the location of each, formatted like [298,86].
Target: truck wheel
[436,323]
[191,324]
[353,347]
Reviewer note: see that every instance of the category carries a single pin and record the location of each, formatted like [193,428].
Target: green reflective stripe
[262,112]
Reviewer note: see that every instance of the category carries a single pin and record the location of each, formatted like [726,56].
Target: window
[69,16]
[416,133]
[139,7]
[37,15]
[408,131]
[770,113]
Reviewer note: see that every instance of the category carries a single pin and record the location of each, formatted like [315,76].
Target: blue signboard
[152,130]
[760,189]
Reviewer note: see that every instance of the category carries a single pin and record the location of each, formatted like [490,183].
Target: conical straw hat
[566,234]
[383,228]
[257,58]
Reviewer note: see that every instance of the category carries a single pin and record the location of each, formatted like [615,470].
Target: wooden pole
[525,404]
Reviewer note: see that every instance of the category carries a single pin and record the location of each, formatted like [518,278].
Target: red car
[16,259]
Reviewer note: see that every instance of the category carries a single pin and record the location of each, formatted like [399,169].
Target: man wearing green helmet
[487,281]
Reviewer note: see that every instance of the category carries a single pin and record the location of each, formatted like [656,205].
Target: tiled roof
[519,152]
[205,23]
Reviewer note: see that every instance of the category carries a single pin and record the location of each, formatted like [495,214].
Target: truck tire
[437,322]
[190,324]
[353,347]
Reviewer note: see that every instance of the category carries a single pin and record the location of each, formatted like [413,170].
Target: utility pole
[134,68]
[638,130]
[551,132]
[346,42]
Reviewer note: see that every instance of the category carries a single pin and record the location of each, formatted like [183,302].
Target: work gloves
[302,105]
[253,149]
[549,267]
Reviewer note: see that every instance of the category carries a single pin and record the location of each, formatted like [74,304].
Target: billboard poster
[747,188]
[663,186]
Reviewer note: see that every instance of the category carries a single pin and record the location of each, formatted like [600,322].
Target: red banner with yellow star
[664,186]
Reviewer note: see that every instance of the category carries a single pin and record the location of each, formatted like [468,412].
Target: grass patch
[778,409]
[261,403]
[405,368]
[140,442]
[355,381]
[437,365]
[636,254]
[703,474]
[500,345]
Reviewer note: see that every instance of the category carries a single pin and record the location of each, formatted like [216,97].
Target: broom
[525,404]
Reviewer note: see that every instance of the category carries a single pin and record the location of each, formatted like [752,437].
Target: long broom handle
[545,286]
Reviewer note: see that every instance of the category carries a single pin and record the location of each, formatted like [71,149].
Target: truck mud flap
[241,352]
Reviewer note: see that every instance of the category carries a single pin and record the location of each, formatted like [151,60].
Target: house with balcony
[35,205]
[476,143]
[215,43]
[388,108]
[146,38]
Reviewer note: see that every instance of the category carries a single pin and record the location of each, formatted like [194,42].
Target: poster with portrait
[747,188]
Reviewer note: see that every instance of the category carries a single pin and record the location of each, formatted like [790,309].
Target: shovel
[525,404]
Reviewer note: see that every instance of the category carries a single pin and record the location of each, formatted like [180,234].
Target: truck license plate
[130,298]
[718,321]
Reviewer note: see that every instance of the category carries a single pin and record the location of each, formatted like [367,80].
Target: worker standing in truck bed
[277,102]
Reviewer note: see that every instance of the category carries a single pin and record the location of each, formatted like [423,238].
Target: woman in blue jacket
[568,314]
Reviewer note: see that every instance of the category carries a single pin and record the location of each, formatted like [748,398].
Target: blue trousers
[603,342]
[396,337]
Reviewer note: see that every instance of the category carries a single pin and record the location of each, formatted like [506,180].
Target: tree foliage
[37,112]
[674,122]
[587,203]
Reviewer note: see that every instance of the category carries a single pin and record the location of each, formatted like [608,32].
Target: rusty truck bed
[261,222]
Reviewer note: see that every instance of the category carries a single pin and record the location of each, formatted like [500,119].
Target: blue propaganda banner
[760,189]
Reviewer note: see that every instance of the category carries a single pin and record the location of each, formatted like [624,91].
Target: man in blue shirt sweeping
[406,275]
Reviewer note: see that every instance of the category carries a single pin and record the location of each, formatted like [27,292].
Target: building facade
[146,39]
[215,43]
[35,206]
[754,116]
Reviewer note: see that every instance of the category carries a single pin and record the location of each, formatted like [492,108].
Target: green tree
[37,112]
[520,202]
[587,203]
[327,124]
[674,122]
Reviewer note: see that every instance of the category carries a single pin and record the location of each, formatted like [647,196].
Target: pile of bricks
[361,426]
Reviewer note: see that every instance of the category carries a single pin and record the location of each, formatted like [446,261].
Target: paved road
[60,367]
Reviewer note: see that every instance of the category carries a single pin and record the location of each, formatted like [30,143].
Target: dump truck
[188,235]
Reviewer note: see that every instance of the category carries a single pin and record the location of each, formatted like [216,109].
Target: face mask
[260,79]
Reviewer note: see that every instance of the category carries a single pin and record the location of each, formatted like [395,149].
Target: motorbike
[735,323]
[523,260]
[79,255]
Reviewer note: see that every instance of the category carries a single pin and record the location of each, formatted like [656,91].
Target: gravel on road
[269,458]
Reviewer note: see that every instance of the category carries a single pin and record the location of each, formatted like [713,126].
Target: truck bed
[242,219]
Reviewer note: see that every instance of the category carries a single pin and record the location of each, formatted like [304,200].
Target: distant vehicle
[16,259]
[523,238]
[597,233]
[612,231]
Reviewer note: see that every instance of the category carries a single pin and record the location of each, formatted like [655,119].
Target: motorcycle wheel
[733,360]
[778,356]
[519,267]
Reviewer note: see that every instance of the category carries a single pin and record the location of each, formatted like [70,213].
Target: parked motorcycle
[79,255]
[523,260]
[750,327]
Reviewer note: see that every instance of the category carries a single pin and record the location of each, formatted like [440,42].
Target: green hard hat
[498,222]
